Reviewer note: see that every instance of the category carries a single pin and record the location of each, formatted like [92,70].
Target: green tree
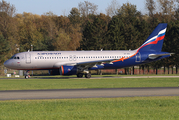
[8,26]
[128,10]
[29,32]
[115,35]
[172,44]
[62,41]
[74,16]
[4,49]
[94,33]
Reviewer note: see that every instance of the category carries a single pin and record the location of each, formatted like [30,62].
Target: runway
[88,93]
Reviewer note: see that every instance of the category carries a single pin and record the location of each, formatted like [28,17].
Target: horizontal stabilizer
[153,56]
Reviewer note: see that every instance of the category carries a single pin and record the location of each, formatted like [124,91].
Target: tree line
[121,28]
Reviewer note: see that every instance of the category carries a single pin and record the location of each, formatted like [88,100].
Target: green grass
[29,84]
[132,108]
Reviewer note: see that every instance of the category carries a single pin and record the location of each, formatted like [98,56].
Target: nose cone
[7,64]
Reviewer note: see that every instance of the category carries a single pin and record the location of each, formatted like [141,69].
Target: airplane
[80,63]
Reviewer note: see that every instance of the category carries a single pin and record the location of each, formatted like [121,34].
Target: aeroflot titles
[48,53]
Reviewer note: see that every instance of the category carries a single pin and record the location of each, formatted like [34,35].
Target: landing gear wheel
[26,77]
[80,75]
[88,75]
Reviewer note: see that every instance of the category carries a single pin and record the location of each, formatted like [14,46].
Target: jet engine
[68,70]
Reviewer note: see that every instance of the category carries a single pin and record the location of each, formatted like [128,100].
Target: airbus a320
[81,62]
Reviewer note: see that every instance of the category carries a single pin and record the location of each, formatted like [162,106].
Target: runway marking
[88,93]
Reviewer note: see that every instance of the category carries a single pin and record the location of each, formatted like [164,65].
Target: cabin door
[28,58]
[138,57]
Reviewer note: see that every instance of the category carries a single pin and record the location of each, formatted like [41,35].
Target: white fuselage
[36,60]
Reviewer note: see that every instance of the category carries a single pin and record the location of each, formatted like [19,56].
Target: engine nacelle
[68,70]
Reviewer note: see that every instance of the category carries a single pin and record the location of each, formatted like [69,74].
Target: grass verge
[135,108]
[29,84]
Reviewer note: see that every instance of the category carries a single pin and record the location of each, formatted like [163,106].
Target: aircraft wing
[87,64]
[90,64]
[153,56]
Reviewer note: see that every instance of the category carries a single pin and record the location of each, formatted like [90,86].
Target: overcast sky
[63,7]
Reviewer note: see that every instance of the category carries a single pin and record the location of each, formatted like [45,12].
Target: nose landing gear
[27,74]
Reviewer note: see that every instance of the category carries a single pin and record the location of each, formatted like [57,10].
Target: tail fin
[155,40]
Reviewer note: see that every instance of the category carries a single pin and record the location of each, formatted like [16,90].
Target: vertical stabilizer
[155,40]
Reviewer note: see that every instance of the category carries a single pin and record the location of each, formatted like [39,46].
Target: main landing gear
[87,75]
[80,75]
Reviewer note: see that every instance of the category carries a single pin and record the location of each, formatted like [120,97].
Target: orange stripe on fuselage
[122,59]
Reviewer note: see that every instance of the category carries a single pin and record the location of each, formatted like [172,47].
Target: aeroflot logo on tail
[157,38]
[49,53]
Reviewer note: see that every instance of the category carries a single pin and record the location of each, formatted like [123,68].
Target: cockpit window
[14,57]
